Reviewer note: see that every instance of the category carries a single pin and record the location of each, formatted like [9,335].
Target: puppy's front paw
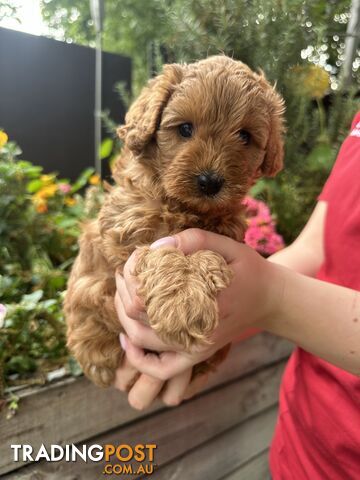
[180,292]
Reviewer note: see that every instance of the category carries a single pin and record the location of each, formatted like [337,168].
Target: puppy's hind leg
[96,349]
[92,324]
[180,292]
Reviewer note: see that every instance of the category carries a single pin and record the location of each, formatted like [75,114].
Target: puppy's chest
[127,225]
[144,223]
[232,224]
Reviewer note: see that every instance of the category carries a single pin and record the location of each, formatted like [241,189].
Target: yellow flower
[47,191]
[3,139]
[310,80]
[47,179]
[95,179]
[69,201]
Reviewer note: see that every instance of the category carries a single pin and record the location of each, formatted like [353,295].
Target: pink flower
[64,187]
[261,233]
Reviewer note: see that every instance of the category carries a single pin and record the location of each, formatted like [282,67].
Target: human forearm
[297,257]
[320,317]
[306,254]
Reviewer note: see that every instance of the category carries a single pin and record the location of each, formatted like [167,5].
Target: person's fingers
[163,366]
[130,263]
[196,386]
[131,281]
[194,239]
[132,303]
[125,376]
[144,392]
[175,388]
[139,334]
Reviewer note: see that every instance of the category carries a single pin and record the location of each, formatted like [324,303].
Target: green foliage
[33,336]
[39,227]
[7,9]
[263,33]
[310,154]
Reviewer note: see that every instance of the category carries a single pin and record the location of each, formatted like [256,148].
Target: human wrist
[274,283]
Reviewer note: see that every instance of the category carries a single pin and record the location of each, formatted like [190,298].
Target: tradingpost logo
[121,459]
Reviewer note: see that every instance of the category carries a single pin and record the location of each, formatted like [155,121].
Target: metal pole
[98,101]
[97,13]
[351,43]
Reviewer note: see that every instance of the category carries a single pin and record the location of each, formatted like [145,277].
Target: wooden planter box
[222,433]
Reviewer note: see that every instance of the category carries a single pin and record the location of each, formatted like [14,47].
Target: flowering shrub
[261,233]
[39,227]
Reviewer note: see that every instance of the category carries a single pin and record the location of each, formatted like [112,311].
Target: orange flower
[41,206]
[95,179]
[46,191]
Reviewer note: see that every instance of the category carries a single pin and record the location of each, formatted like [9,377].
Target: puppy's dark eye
[245,136]
[186,130]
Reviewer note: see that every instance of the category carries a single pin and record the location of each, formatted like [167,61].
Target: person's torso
[318,430]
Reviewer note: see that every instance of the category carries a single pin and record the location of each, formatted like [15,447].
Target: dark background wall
[47,99]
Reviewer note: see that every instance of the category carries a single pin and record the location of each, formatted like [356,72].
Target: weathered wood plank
[257,468]
[248,356]
[74,410]
[180,430]
[218,457]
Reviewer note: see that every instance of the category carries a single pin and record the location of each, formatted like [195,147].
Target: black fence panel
[47,93]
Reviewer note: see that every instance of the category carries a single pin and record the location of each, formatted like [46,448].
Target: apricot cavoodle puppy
[194,142]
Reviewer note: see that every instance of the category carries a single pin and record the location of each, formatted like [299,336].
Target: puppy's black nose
[209,183]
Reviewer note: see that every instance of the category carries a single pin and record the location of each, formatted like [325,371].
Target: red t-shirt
[317,436]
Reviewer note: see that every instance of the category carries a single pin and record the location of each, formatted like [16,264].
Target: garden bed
[226,428]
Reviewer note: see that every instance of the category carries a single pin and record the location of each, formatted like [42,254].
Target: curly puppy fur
[233,135]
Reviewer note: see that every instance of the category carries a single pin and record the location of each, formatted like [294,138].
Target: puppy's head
[207,131]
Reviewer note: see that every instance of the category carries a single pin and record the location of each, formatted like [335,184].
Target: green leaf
[34,186]
[106,148]
[82,180]
[29,169]
[259,188]
[49,303]
[74,367]
[66,222]
[57,282]
[32,298]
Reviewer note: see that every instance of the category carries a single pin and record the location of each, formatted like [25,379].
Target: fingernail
[123,343]
[164,242]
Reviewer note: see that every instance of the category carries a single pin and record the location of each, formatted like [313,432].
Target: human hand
[247,302]
[144,389]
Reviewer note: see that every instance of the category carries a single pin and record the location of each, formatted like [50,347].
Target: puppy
[195,140]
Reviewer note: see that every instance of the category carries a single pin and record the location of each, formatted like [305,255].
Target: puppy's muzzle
[209,183]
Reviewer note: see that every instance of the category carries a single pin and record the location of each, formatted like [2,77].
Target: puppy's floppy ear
[143,118]
[274,156]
